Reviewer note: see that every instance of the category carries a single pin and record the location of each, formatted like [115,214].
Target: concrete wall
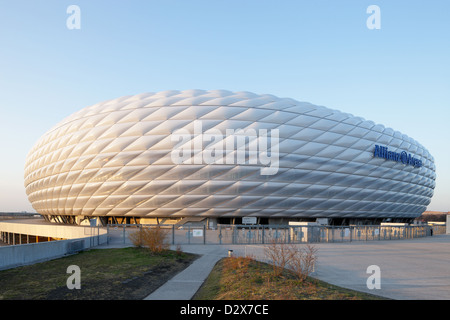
[38,227]
[77,239]
[448,224]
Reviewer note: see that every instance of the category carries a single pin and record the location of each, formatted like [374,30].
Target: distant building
[222,156]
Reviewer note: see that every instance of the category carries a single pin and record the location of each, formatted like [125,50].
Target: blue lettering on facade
[403,157]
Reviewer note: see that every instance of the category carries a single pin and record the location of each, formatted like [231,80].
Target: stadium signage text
[403,157]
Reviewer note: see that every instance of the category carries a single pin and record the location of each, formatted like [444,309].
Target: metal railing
[264,234]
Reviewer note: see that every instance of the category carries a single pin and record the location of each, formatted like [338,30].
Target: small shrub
[179,250]
[299,260]
[303,261]
[279,255]
[137,238]
[151,238]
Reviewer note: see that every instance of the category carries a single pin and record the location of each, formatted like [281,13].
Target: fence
[15,255]
[261,234]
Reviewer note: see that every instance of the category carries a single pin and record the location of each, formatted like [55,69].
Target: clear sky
[317,51]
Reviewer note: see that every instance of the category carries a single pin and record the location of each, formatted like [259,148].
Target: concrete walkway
[417,269]
[186,283]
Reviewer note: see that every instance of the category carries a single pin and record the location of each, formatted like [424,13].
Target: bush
[299,260]
[303,261]
[280,255]
[151,238]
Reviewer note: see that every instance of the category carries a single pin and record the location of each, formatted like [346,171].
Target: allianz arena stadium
[222,156]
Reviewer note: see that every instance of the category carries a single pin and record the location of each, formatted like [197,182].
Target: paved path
[416,269]
[185,284]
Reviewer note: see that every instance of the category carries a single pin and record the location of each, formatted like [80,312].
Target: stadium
[225,157]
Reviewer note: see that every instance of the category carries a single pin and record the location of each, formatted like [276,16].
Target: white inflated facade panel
[114,159]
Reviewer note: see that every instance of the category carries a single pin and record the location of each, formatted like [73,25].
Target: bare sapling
[300,260]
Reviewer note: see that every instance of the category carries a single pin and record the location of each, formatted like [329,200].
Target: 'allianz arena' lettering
[403,157]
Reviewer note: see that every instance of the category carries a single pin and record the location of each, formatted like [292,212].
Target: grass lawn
[239,278]
[133,273]
[106,274]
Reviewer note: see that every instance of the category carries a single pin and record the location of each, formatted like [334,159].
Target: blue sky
[316,51]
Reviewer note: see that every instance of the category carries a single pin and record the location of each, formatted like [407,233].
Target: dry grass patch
[243,278]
